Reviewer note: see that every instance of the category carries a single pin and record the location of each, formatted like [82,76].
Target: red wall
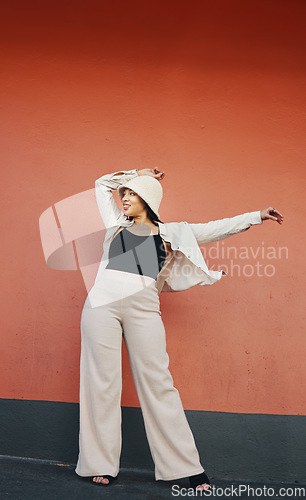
[214,94]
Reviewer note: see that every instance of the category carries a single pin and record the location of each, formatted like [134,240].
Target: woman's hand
[271,213]
[153,172]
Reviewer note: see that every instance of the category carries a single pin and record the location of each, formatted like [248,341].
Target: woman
[142,257]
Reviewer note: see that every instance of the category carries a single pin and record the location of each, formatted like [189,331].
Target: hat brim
[121,189]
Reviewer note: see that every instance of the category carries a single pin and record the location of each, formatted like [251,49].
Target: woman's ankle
[199,479]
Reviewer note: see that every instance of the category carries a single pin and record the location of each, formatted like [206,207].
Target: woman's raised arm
[109,210]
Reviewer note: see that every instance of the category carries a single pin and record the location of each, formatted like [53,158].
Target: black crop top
[136,254]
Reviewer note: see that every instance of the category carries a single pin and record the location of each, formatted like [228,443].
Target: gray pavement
[31,479]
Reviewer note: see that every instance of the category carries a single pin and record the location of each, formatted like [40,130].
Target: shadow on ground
[30,479]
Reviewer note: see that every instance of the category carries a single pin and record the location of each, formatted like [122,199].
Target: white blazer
[185,266]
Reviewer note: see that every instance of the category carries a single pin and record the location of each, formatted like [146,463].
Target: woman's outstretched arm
[220,229]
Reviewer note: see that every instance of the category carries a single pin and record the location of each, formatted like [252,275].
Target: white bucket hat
[148,188]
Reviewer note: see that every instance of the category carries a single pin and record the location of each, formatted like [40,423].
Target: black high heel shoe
[199,479]
[110,480]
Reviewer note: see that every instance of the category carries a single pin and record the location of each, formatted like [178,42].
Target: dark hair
[151,215]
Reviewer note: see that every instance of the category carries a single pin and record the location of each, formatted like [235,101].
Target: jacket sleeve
[109,210]
[223,228]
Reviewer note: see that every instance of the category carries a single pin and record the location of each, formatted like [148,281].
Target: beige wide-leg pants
[129,306]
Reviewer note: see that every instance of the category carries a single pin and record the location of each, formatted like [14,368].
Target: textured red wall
[214,94]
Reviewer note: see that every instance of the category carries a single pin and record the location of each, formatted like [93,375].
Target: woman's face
[133,205]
